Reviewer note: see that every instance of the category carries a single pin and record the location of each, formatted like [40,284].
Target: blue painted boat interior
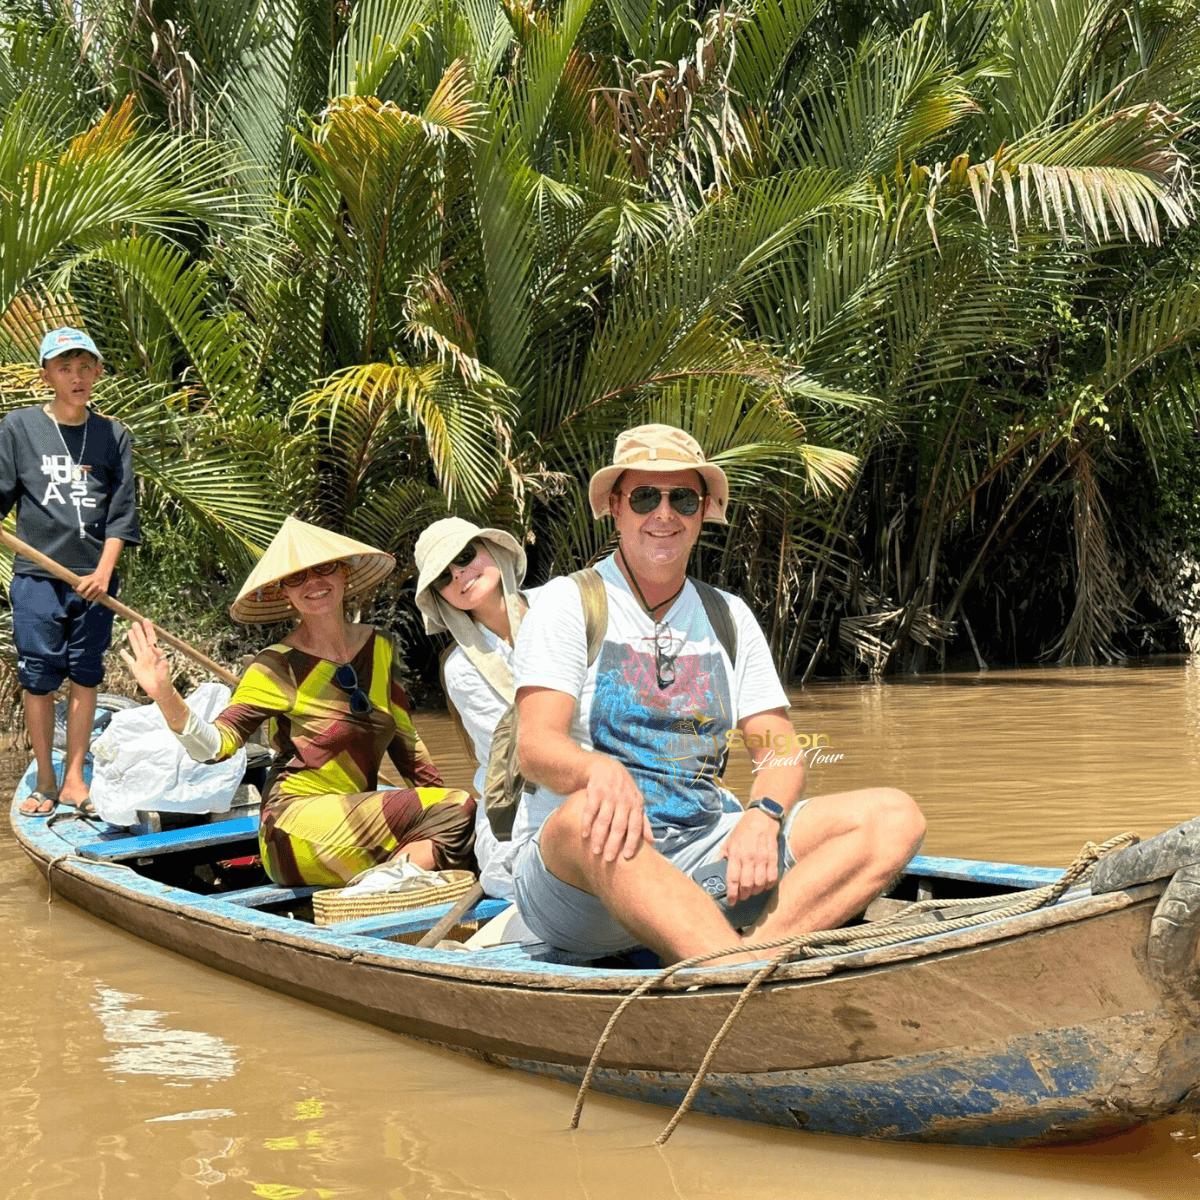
[130,856]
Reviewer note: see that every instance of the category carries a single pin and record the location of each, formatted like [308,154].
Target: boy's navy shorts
[58,634]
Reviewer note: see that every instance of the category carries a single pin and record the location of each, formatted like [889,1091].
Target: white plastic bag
[139,765]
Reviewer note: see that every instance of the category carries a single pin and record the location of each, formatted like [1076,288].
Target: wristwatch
[771,807]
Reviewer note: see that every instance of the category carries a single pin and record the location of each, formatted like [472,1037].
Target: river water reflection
[134,1073]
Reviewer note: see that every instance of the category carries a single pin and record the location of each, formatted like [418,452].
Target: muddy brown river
[132,1073]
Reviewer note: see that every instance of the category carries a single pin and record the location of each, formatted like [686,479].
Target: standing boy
[70,473]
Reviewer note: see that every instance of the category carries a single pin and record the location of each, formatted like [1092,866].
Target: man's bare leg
[39,721]
[658,904]
[81,716]
[848,847]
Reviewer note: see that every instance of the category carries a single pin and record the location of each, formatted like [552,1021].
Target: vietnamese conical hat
[296,546]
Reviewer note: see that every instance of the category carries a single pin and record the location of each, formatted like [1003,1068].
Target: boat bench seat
[413,920]
[1007,875]
[150,845]
[270,893]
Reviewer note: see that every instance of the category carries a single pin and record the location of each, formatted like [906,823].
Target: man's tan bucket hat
[296,546]
[660,448]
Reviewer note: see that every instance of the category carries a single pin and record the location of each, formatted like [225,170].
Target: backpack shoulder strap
[595,609]
[455,715]
[716,608]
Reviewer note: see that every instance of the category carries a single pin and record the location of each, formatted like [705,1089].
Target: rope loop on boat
[889,931]
[74,856]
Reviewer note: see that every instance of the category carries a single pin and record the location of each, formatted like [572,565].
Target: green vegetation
[920,274]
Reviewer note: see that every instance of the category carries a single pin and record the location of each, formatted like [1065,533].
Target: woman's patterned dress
[323,817]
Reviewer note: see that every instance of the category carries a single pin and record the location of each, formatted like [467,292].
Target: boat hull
[1050,1030]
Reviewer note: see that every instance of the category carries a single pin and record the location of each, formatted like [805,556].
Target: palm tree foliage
[911,270]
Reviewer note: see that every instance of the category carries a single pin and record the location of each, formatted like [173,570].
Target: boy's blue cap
[59,341]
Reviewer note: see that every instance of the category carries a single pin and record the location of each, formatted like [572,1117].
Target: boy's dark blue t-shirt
[70,498]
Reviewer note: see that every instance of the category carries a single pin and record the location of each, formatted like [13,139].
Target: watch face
[771,807]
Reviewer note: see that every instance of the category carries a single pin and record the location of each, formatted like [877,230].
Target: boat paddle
[451,919]
[123,610]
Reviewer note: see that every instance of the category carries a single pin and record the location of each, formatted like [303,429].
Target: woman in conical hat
[468,583]
[331,692]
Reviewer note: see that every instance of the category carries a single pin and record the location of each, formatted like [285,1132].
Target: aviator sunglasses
[464,558]
[346,677]
[645,499]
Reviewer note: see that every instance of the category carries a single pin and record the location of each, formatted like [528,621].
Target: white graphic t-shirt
[672,740]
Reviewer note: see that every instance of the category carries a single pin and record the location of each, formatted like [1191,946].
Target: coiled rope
[826,942]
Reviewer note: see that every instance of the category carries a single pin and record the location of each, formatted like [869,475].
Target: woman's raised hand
[147,664]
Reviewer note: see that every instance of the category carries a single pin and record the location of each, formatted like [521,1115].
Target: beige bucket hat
[435,550]
[296,546]
[660,448]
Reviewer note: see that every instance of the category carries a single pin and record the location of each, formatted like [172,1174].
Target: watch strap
[772,808]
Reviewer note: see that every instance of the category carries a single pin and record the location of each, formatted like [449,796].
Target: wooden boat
[1064,1024]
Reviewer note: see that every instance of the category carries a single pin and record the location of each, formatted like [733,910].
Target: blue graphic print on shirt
[672,740]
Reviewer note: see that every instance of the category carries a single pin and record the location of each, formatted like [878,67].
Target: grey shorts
[565,917]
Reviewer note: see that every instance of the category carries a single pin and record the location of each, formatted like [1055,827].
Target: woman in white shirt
[468,584]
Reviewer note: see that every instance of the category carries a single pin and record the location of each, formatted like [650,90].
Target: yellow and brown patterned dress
[323,817]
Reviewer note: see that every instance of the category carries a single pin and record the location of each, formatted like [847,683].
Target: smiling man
[643,845]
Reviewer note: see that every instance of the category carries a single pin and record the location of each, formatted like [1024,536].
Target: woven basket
[333,905]
[460,933]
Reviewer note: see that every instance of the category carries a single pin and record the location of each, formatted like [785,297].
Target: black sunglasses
[464,558]
[346,677]
[645,499]
[664,660]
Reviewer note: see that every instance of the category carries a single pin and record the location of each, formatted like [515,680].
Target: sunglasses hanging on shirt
[346,677]
[664,640]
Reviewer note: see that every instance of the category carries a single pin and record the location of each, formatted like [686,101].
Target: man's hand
[752,851]
[614,820]
[95,584]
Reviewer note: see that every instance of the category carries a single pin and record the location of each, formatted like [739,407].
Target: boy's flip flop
[41,798]
[85,809]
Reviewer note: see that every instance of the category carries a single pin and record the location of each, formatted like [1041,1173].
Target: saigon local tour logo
[785,749]
[782,749]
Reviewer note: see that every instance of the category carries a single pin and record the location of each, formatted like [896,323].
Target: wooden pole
[449,921]
[123,610]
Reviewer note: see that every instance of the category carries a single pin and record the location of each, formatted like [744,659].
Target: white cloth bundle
[140,765]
